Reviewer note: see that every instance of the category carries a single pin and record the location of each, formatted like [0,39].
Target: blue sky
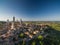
[30,10]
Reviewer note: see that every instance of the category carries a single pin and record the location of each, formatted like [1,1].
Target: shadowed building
[13,19]
[12,24]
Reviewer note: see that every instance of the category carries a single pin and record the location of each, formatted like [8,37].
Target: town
[14,32]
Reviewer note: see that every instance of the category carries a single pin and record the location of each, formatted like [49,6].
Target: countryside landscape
[29,22]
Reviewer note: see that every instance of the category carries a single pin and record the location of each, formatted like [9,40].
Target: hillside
[53,32]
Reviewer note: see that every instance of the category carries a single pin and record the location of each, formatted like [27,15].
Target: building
[13,23]
[13,19]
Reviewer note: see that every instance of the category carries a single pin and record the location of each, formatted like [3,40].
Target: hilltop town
[16,31]
[13,32]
